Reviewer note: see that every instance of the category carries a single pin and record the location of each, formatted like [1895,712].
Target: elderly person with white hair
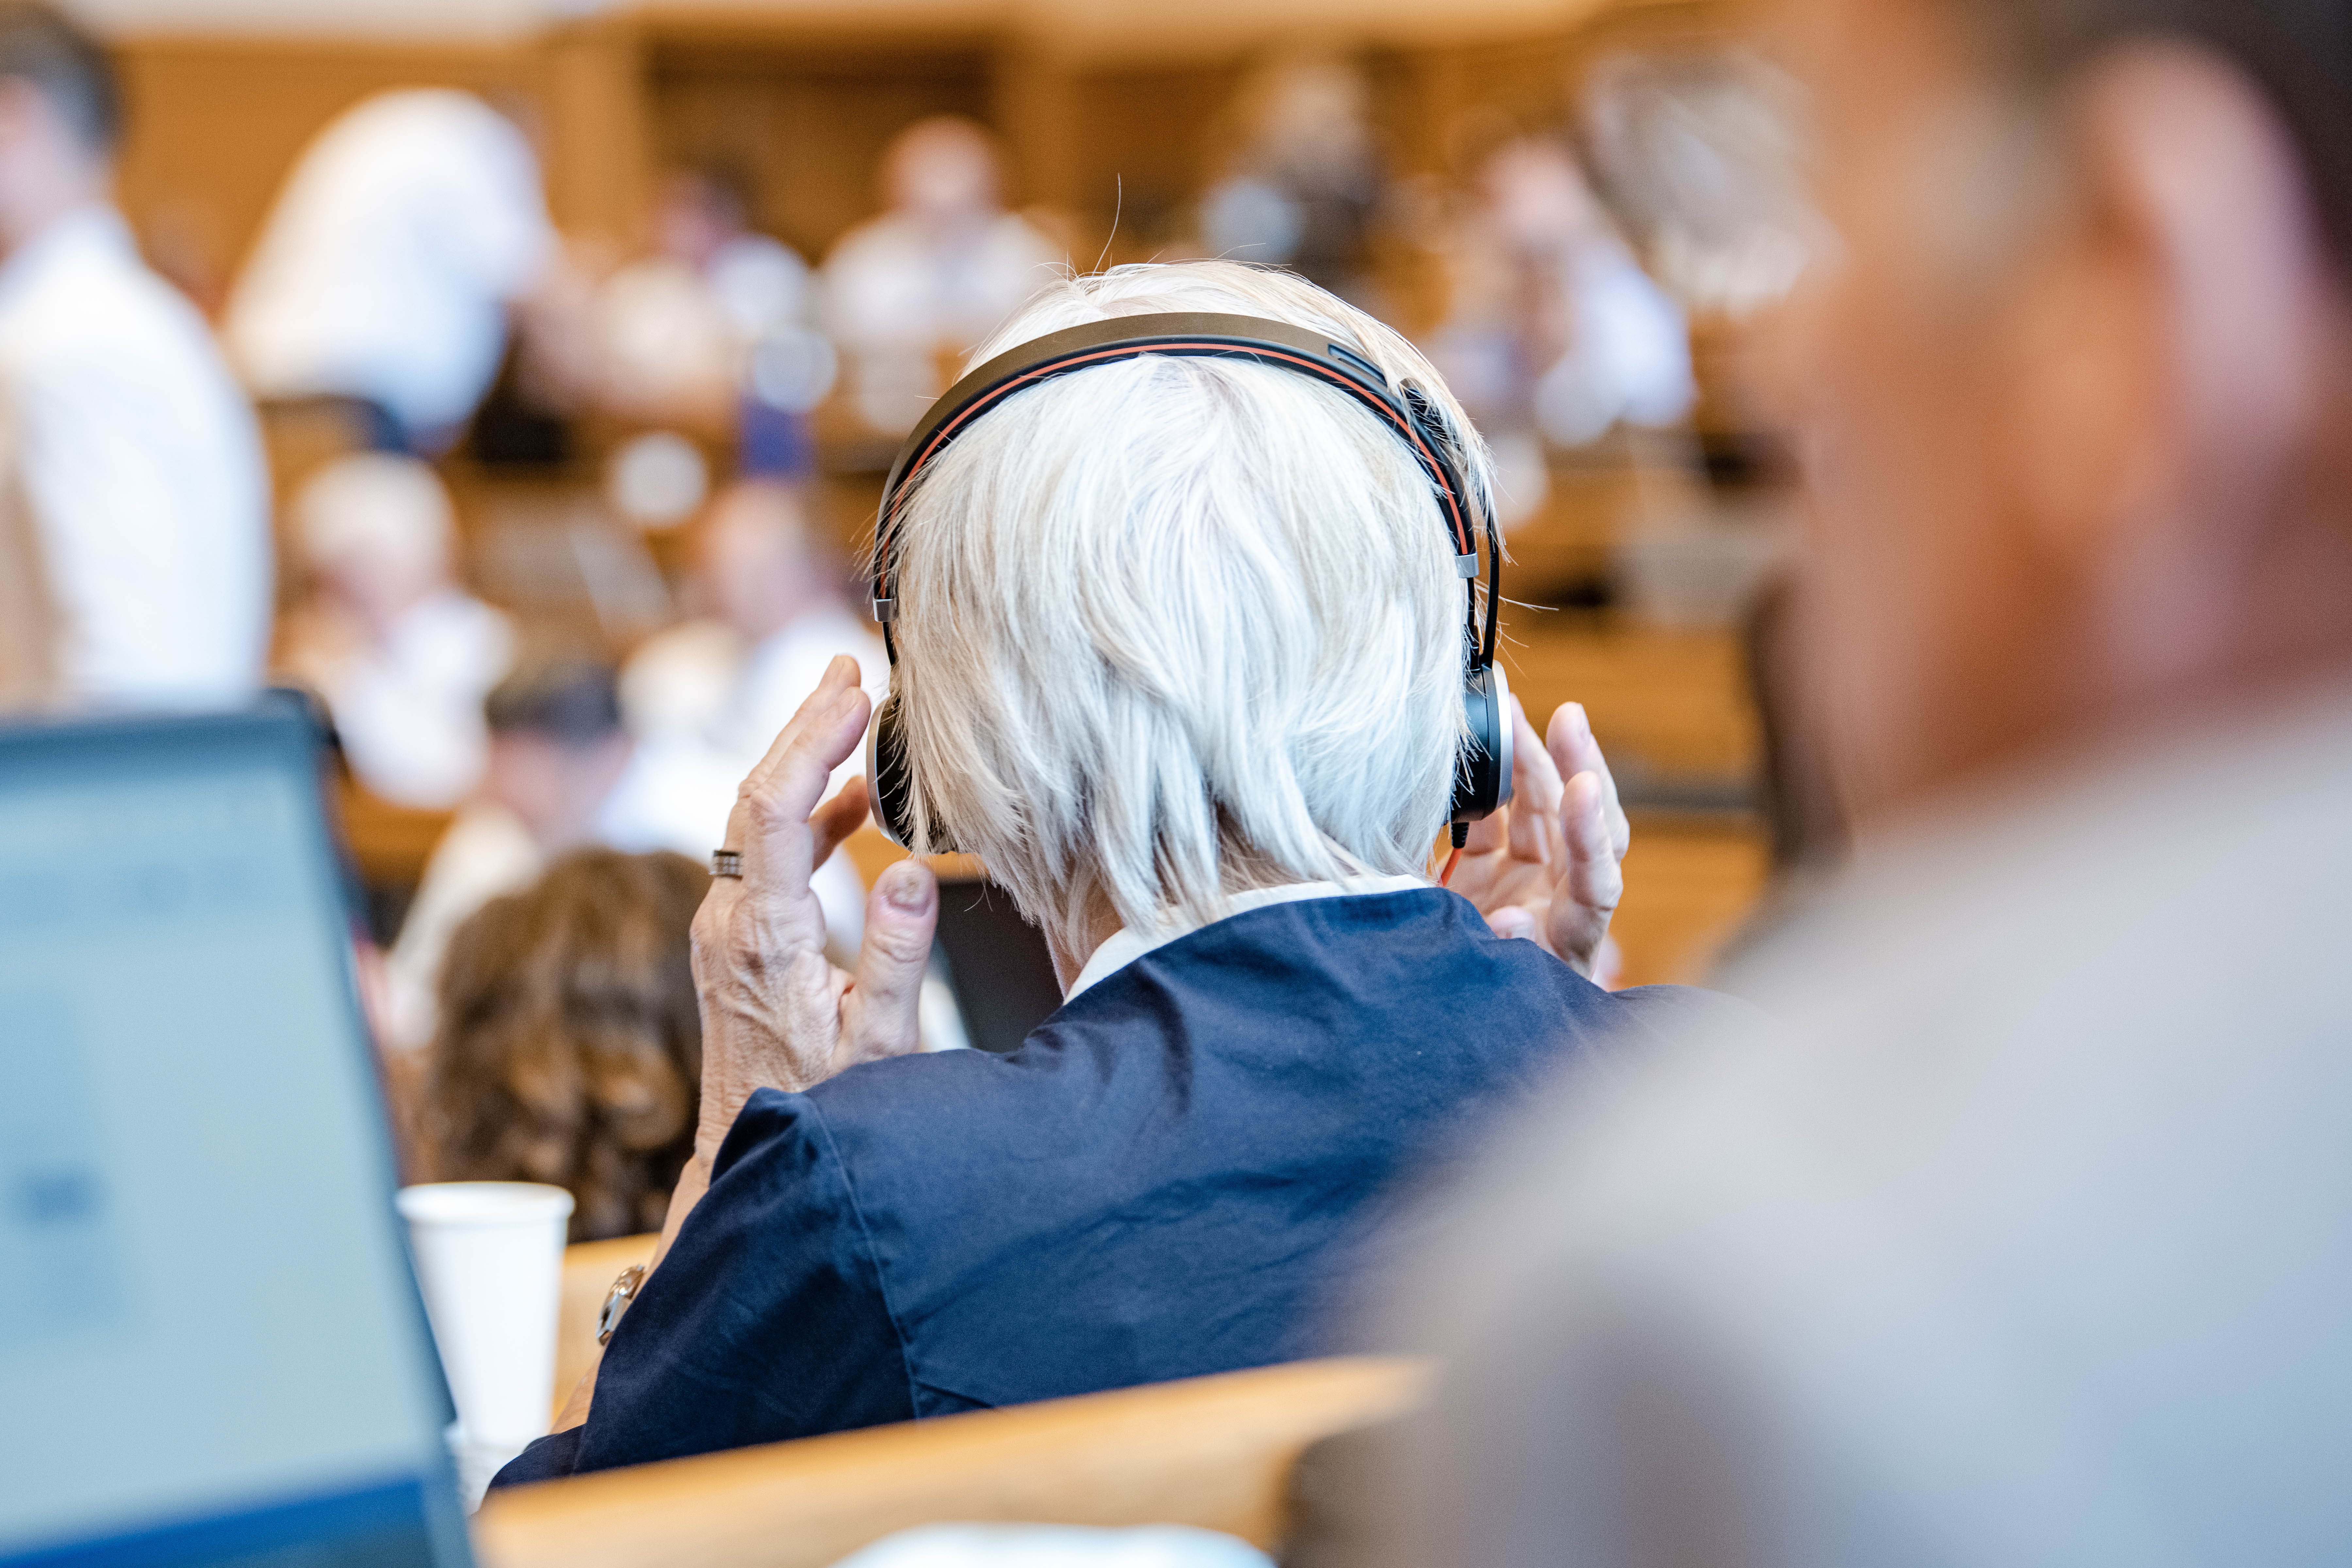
[1180,654]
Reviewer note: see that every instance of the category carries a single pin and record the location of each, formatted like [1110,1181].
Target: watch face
[625,1290]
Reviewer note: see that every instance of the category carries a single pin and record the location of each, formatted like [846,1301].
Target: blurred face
[1537,196]
[756,568]
[1928,614]
[46,169]
[693,218]
[553,787]
[379,586]
[942,172]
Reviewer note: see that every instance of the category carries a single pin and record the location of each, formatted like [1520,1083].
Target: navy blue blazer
[1158,1184]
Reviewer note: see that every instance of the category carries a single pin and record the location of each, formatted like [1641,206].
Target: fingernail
[905,887]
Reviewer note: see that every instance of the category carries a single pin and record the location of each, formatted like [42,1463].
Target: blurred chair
[1215,1452]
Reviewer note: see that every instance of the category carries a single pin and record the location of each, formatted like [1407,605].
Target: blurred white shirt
[761,284]
[664,329]
[389,260]
[410,710]
[144,470]
[897,296]
[1629,359]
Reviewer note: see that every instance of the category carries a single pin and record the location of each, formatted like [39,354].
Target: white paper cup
[489,1259]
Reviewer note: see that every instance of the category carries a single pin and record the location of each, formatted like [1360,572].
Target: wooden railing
[1215,1452]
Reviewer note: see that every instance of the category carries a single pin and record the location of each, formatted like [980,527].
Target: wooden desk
[1212,1451]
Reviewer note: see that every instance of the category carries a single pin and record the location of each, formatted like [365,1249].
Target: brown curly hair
[570,1050]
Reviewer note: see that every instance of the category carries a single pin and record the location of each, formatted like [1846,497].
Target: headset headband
[1413,417]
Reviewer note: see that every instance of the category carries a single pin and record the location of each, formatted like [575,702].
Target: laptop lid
[212,1349]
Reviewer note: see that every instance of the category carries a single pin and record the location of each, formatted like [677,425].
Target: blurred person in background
[409,233]
[402,654]
[561,771]
[1305,186]
[937,271]
[715,329]
[2026,1235]
[706,698]
[569,1049]
[134,529]
[1553,333]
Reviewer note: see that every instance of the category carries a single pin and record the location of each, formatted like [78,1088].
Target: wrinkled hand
[775,1011]
[1547,866]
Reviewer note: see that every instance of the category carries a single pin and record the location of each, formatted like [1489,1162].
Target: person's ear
[2173,338]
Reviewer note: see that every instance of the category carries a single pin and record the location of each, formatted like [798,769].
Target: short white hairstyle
[1171,628]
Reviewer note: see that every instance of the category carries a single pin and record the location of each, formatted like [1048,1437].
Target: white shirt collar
[1124,946]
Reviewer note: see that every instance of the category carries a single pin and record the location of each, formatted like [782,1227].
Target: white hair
[1169,629]
[372,510]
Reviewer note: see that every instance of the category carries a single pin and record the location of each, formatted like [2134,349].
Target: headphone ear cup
[889,784]
[1482,773]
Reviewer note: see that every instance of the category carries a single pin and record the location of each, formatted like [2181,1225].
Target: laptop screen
[211,1347]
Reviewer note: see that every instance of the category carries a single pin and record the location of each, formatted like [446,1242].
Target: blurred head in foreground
[1174,628]
[2078,383]
[569,1052]
[2018,1227]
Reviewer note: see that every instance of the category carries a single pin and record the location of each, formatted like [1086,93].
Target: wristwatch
[625,1290]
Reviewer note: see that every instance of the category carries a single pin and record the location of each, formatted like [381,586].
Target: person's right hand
[775,1011]
[1549,866]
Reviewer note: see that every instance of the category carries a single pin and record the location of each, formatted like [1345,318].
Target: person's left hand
[1548,866]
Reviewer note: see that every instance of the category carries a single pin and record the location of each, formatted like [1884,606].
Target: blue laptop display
[212,1350]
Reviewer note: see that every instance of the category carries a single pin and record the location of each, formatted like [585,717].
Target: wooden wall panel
[599,139]
[802,106]
[215,123]
[806,120]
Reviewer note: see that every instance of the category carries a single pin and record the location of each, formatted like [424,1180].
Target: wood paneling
[216,125]
[803,101]
[805,120]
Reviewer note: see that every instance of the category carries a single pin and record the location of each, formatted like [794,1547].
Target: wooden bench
[1214,1452]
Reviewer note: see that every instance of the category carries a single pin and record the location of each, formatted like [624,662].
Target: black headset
[1482,774]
